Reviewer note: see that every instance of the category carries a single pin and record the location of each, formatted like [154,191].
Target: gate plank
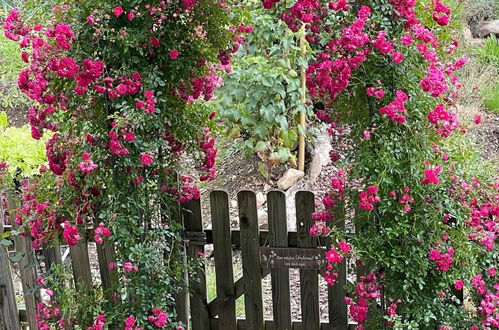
[338,318]
[52,256]
[214,305]
[219,201]
[105,257]
[278,234]
[182,297]
[9,315]
[250,250]
[26,267]
[81,264]
[309,279]
[200,319]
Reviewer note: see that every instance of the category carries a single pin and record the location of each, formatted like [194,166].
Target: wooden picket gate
[296,247]
[280,248]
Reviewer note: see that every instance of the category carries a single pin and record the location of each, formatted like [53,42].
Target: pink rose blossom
[397,57]
[173,54]
[118,11]
[146,159]
[478,119]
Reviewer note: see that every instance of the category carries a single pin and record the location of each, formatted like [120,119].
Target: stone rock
[233,204]
[262,216]
[264,226]
[315,167]
[291,209]
[289,178]
[486,28]
[320,156]
[267,187]
[323,148]
[260,199]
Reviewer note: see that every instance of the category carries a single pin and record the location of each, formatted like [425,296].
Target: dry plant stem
[301,141]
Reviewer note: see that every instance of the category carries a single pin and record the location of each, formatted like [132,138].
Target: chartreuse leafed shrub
[18,149]
[119,86]
[10,65]
[426,208]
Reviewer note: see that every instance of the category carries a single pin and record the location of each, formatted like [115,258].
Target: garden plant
[425,213]
[118,92]
[116,86]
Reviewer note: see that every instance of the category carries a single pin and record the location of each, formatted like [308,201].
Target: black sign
[283,257]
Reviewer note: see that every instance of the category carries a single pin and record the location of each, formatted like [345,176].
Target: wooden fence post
[250,249]
[338,319]
[198,299]
[309,278]
[278,234]
[182,297]
[81,264]
[222,242]
[27,266]
[52,256]
[9,315]
[105,257]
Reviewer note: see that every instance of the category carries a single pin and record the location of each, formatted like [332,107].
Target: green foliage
[491,98]
[487,56]
[136,202]
[10,65]
[489,52]
[261,97]
[83,302]
[23,154]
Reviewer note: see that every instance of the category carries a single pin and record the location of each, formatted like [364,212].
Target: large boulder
[289,178]
[487,28]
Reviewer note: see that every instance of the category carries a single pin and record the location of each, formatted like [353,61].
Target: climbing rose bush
[120,87]
[385,78]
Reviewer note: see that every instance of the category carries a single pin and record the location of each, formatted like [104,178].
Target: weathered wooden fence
[23,315]
[264,253]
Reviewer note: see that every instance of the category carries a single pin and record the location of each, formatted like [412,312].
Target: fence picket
[9,315]
[309,278]
[203,315]
[338,319]
[182,297]
[81,264]
[26,267]
[105,257]
[200,319]
[278,234]
[219,201]
[250,250]
[52,256]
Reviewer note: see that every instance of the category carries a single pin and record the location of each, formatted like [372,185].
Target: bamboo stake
[301,140]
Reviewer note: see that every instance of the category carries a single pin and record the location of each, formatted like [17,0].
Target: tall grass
[491,98]
[489,52]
